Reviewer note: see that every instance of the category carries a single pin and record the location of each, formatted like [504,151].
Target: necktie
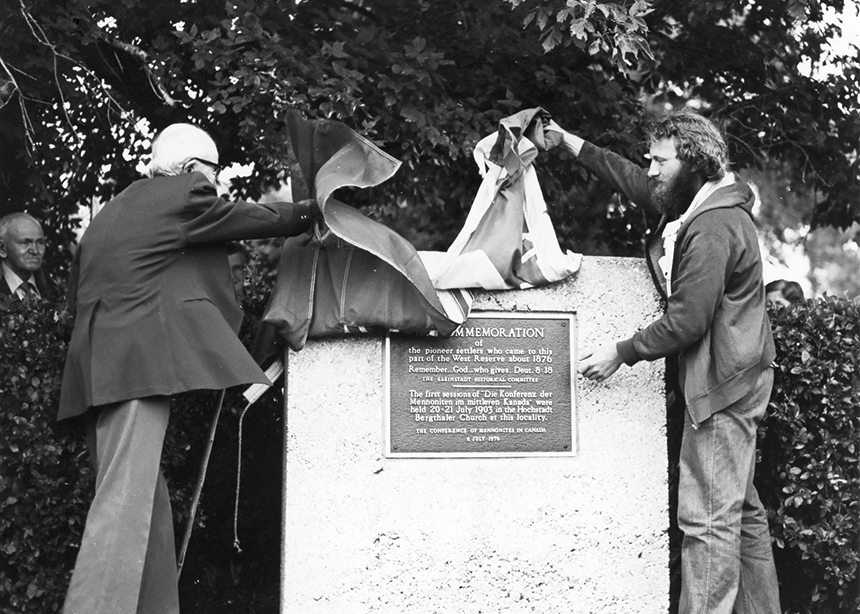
[29,291]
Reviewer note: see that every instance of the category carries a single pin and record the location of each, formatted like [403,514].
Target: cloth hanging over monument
[356,275]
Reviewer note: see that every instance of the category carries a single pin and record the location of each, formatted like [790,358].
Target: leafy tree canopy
[85,83]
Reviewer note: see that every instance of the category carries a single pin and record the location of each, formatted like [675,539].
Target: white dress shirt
[16,284]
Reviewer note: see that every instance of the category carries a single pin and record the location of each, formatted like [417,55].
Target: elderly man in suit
[22,249]
[155,315]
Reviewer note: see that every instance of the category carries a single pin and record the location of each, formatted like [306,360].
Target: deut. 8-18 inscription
[502,385]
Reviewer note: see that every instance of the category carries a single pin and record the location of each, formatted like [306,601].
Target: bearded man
[706,263]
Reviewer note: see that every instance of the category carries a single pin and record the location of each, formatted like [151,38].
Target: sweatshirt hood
[738,194]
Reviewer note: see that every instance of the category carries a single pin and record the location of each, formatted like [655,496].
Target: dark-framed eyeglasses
[215,167]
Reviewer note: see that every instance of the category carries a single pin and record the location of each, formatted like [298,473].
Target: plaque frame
[568,317]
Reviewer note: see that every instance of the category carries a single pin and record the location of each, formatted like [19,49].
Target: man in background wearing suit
[22,248]
[155,315]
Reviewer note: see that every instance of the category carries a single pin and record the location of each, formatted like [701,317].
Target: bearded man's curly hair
[697,140]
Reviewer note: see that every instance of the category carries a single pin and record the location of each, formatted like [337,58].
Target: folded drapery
[508,240]
[353,274]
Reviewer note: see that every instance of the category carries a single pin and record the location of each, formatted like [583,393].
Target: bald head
[22,243]
[176,146]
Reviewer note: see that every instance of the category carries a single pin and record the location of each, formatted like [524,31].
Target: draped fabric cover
[353,274]
[508,240]
[356,274]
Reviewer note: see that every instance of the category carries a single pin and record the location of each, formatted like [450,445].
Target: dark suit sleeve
[208,218]
[619,172]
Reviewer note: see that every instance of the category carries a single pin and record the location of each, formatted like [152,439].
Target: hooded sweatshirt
[715,316]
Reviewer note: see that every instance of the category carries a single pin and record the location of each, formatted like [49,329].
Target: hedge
[45,478]
[807,477]
[46,482]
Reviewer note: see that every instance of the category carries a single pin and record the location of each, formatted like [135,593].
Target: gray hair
[176,145]
[7,220]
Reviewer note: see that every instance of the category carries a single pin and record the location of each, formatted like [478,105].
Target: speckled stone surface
[586,534]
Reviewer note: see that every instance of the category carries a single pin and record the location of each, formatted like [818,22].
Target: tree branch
[11,86]
[140,54]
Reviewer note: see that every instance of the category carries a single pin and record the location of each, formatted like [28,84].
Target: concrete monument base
[584,534]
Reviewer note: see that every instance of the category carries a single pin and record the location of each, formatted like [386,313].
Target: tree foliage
[84,83]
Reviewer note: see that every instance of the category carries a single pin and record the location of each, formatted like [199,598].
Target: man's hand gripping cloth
[508,240]
[355,274]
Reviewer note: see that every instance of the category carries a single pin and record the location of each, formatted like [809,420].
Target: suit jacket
[151,292]
[47,287]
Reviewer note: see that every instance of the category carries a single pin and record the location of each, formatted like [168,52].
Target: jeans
[726,557]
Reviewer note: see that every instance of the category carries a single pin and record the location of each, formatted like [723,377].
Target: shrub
[809,477]
[47,483]
[45,478]
[218,576]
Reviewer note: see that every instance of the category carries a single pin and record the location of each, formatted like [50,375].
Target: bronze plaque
[501,385]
